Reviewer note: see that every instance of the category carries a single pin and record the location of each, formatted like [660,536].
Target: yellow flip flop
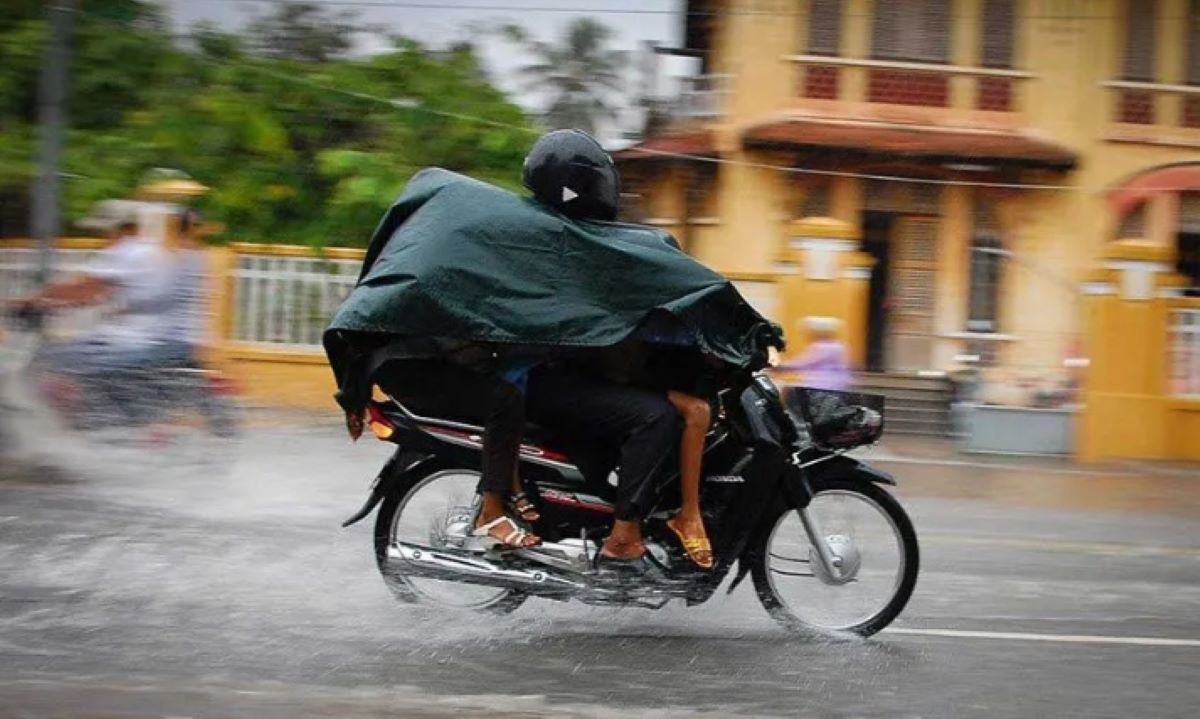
[698,550]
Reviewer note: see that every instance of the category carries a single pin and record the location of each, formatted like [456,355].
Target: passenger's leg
[688,524]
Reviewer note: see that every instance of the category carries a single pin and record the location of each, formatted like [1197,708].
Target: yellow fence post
[1126,403]
[826,275]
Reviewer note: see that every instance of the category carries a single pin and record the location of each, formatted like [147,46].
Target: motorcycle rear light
[379,424]
[222,385]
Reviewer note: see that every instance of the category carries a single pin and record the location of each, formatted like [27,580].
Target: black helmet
[568,170]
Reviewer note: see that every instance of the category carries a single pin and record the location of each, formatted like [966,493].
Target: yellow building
[984,153]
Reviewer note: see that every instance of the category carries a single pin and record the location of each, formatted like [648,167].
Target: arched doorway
[1174,190]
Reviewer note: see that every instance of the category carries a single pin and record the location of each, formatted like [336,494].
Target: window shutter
[1189,212]
[1193,43]
[1139,40]
[933,35]
[824,27]
[999,23]
[886,29]
[916,30]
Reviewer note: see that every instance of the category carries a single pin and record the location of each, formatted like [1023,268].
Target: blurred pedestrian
[824,364]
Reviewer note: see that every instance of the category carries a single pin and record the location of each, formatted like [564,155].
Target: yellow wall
[1059,235]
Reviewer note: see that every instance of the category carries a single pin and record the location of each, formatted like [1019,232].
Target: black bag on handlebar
[841,420]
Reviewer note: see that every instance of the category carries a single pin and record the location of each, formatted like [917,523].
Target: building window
[987,260]
[634,202]
[1133,224]
[999,25]
[917,31]
[1187,241]
[702,193]
[815,200]
[1191,103]
[824,27]
[1138,64]
[1193,43]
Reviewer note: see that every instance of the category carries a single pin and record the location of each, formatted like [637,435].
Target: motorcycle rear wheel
[417,513]
[865,524]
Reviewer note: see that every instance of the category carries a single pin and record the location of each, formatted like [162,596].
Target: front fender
[800,482]
[847,468]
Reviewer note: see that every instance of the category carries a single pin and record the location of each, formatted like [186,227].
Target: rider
[569,171]
[133,274]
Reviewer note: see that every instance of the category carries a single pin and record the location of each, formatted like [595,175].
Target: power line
[410,106]
[474,7]
[606,10]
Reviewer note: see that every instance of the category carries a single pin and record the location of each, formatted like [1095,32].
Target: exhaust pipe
[414,560]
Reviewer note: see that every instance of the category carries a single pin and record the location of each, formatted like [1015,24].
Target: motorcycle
[825,544]
[185,412]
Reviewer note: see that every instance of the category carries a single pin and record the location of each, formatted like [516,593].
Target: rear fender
[402,467]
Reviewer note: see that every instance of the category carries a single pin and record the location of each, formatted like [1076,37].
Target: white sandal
[482,538]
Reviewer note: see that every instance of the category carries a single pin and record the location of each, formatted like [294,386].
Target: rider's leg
[504,424]
[439,387]
[642,423]
[697,416]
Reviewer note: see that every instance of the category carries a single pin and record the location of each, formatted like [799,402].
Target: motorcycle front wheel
[874,543]
[433,511]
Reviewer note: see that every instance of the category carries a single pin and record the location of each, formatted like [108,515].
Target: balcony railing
[702,97]
[1151,103]
[916,84]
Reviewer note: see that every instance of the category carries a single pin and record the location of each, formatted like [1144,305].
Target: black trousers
[639,428]
[440,389]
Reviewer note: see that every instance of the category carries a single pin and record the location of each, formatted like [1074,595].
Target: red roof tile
[699,143]
[918,143]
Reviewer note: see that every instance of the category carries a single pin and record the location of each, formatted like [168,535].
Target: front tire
[416,512]
[789,602]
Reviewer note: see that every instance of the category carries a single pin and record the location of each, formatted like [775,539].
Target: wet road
[131,593]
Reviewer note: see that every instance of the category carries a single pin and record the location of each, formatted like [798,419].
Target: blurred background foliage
[278,120]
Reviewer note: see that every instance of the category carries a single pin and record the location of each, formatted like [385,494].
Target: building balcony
[910,91]
[1153,113]
[701,98]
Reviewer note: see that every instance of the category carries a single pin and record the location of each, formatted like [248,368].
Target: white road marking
[1059,638]
[8,519]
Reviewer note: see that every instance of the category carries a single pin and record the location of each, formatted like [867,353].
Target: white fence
[286,302]
[1184,361]
[19,265]
[18,278]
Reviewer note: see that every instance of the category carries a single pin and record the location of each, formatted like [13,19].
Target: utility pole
[46,213]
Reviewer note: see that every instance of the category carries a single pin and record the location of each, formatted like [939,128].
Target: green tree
[294,150]
[580,75]
[305,31]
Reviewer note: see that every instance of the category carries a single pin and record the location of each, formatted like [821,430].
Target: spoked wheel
[437,511]
[874,554]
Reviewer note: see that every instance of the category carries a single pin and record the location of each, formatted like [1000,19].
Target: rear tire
[776,605]
[402,587]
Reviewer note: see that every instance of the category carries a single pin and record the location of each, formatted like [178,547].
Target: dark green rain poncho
[459,262]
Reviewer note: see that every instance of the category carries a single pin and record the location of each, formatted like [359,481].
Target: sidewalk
[944,451]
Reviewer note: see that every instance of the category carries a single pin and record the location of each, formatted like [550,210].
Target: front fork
[800,494]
